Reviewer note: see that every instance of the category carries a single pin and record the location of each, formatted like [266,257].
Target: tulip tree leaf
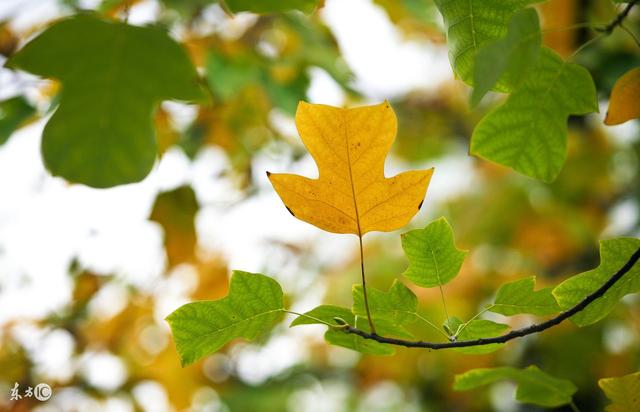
[476,329]
[13,112]
[327,314]
[624,392]
[624,103]
[271,6]
[470,24]
[433,257]
[613,255]
[398,305]
[352,195]
[528,133]
[113,76]
[513,55]
[253,305]
[534,386]
[519,297]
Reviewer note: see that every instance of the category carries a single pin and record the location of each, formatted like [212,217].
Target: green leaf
[470,24]
[271,6]
[613,255]
[476,329]
[326,314]
[433,257]
[227,77]
[398,305]
[113,76]
[624,392]
[253,305]
[512,56]
[534,386]
[519,297]
[528,133]
[13,112]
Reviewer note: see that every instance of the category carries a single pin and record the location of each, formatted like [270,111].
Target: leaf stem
[444,303]
[364,285]
[464,325]
[630,33]
[310,317]
[433,325]
[516,333]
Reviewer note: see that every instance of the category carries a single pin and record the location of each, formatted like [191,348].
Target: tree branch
[617,21]
[517,333]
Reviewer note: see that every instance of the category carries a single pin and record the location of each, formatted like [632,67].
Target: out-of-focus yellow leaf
[8,41]
[557,14]
[352,194]
[624,392]
[624,103]
[175,211]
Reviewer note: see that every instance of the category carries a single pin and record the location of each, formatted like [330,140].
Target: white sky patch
[385,64]
[103,370]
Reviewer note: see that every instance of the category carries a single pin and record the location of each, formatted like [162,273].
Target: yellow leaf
[624,392]
[624,103]
[351,194]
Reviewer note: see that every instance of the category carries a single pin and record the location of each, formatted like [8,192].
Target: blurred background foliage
[119,354]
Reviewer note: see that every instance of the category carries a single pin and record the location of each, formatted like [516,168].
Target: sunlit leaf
[534,386]
[513,55]
[613,255]
[327,314]
[352,194]
[519,297]
[528,133]
[476,329]
[433,257]
[398,305]
[113,75]
[470,24]
[624,392]
[624,103]
[253,305]
[13,112]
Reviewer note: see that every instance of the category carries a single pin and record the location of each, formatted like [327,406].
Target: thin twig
[518,333]
[617,21]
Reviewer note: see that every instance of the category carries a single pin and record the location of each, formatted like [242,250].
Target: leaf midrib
[208,334]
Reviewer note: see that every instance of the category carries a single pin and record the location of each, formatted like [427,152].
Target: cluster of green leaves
[497,46]
[254,304]
[539,388]
[434,261]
